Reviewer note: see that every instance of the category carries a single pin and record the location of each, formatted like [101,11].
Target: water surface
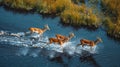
[107,53]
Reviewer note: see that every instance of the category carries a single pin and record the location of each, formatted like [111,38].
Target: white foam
[23,51]
[2,32]
[41,42]
[34,55]
[86,48]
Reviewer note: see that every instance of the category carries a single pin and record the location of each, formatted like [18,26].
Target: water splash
[23,51]
[33,44]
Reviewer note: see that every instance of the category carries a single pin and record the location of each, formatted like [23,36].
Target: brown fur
[64,38]
[89,42]
[60,39]
[59,36]
[55,40]
[38,30]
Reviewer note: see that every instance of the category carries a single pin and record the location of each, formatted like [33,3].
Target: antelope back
[60,36]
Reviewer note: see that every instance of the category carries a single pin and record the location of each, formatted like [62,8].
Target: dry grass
[69,12]
[73,14]
[113,11]
[79,15]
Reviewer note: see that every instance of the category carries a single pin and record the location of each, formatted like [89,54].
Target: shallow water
[15,54]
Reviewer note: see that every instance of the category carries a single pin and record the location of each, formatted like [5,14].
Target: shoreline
[81,17]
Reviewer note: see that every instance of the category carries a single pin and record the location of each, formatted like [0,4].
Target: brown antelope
[38,30]
[89,42]
[59,36]
[61,41]
[64,38]
[55,40]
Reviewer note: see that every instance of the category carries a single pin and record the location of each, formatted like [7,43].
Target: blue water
[107,53]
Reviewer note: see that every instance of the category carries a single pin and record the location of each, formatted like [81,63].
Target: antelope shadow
[86,57]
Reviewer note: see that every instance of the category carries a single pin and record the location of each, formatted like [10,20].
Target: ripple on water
[34,41]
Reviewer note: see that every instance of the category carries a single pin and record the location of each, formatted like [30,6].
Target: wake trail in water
[34,44]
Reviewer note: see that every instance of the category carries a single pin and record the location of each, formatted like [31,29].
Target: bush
[111,7]
[20,4]
[79,15]
[69,12]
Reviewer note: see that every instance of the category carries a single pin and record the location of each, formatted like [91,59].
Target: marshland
[87,19]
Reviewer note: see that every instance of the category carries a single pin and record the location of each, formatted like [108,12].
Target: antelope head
[99,39]
[71,35]
[47,27]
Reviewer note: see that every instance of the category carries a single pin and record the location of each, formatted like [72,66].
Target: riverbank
[112,12]
[71,12]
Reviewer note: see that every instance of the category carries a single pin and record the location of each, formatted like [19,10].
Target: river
[106,53]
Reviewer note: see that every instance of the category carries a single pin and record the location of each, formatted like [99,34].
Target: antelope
[61,41]
[55,40]
[64,38]
[38,30]
[89,42]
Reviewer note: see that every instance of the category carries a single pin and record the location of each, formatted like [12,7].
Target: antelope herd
[61,39]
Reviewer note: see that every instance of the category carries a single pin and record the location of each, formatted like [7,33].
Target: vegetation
[78,1]
[111,9]
[68,11]
[73,13]
[0,2]
[79,15]
[113,29]
[42,6]
[20,4]
[52,6]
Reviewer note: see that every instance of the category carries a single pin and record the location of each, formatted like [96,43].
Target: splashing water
[23,51]
[32,44]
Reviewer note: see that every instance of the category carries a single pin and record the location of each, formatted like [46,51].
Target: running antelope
[38,30]
[89,42]
[55,40]
[65,38]
[61,41]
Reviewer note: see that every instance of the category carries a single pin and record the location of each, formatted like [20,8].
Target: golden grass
[79,15]
[69,12]
[20,4]
[51,6]
[73,14]
[113,11]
